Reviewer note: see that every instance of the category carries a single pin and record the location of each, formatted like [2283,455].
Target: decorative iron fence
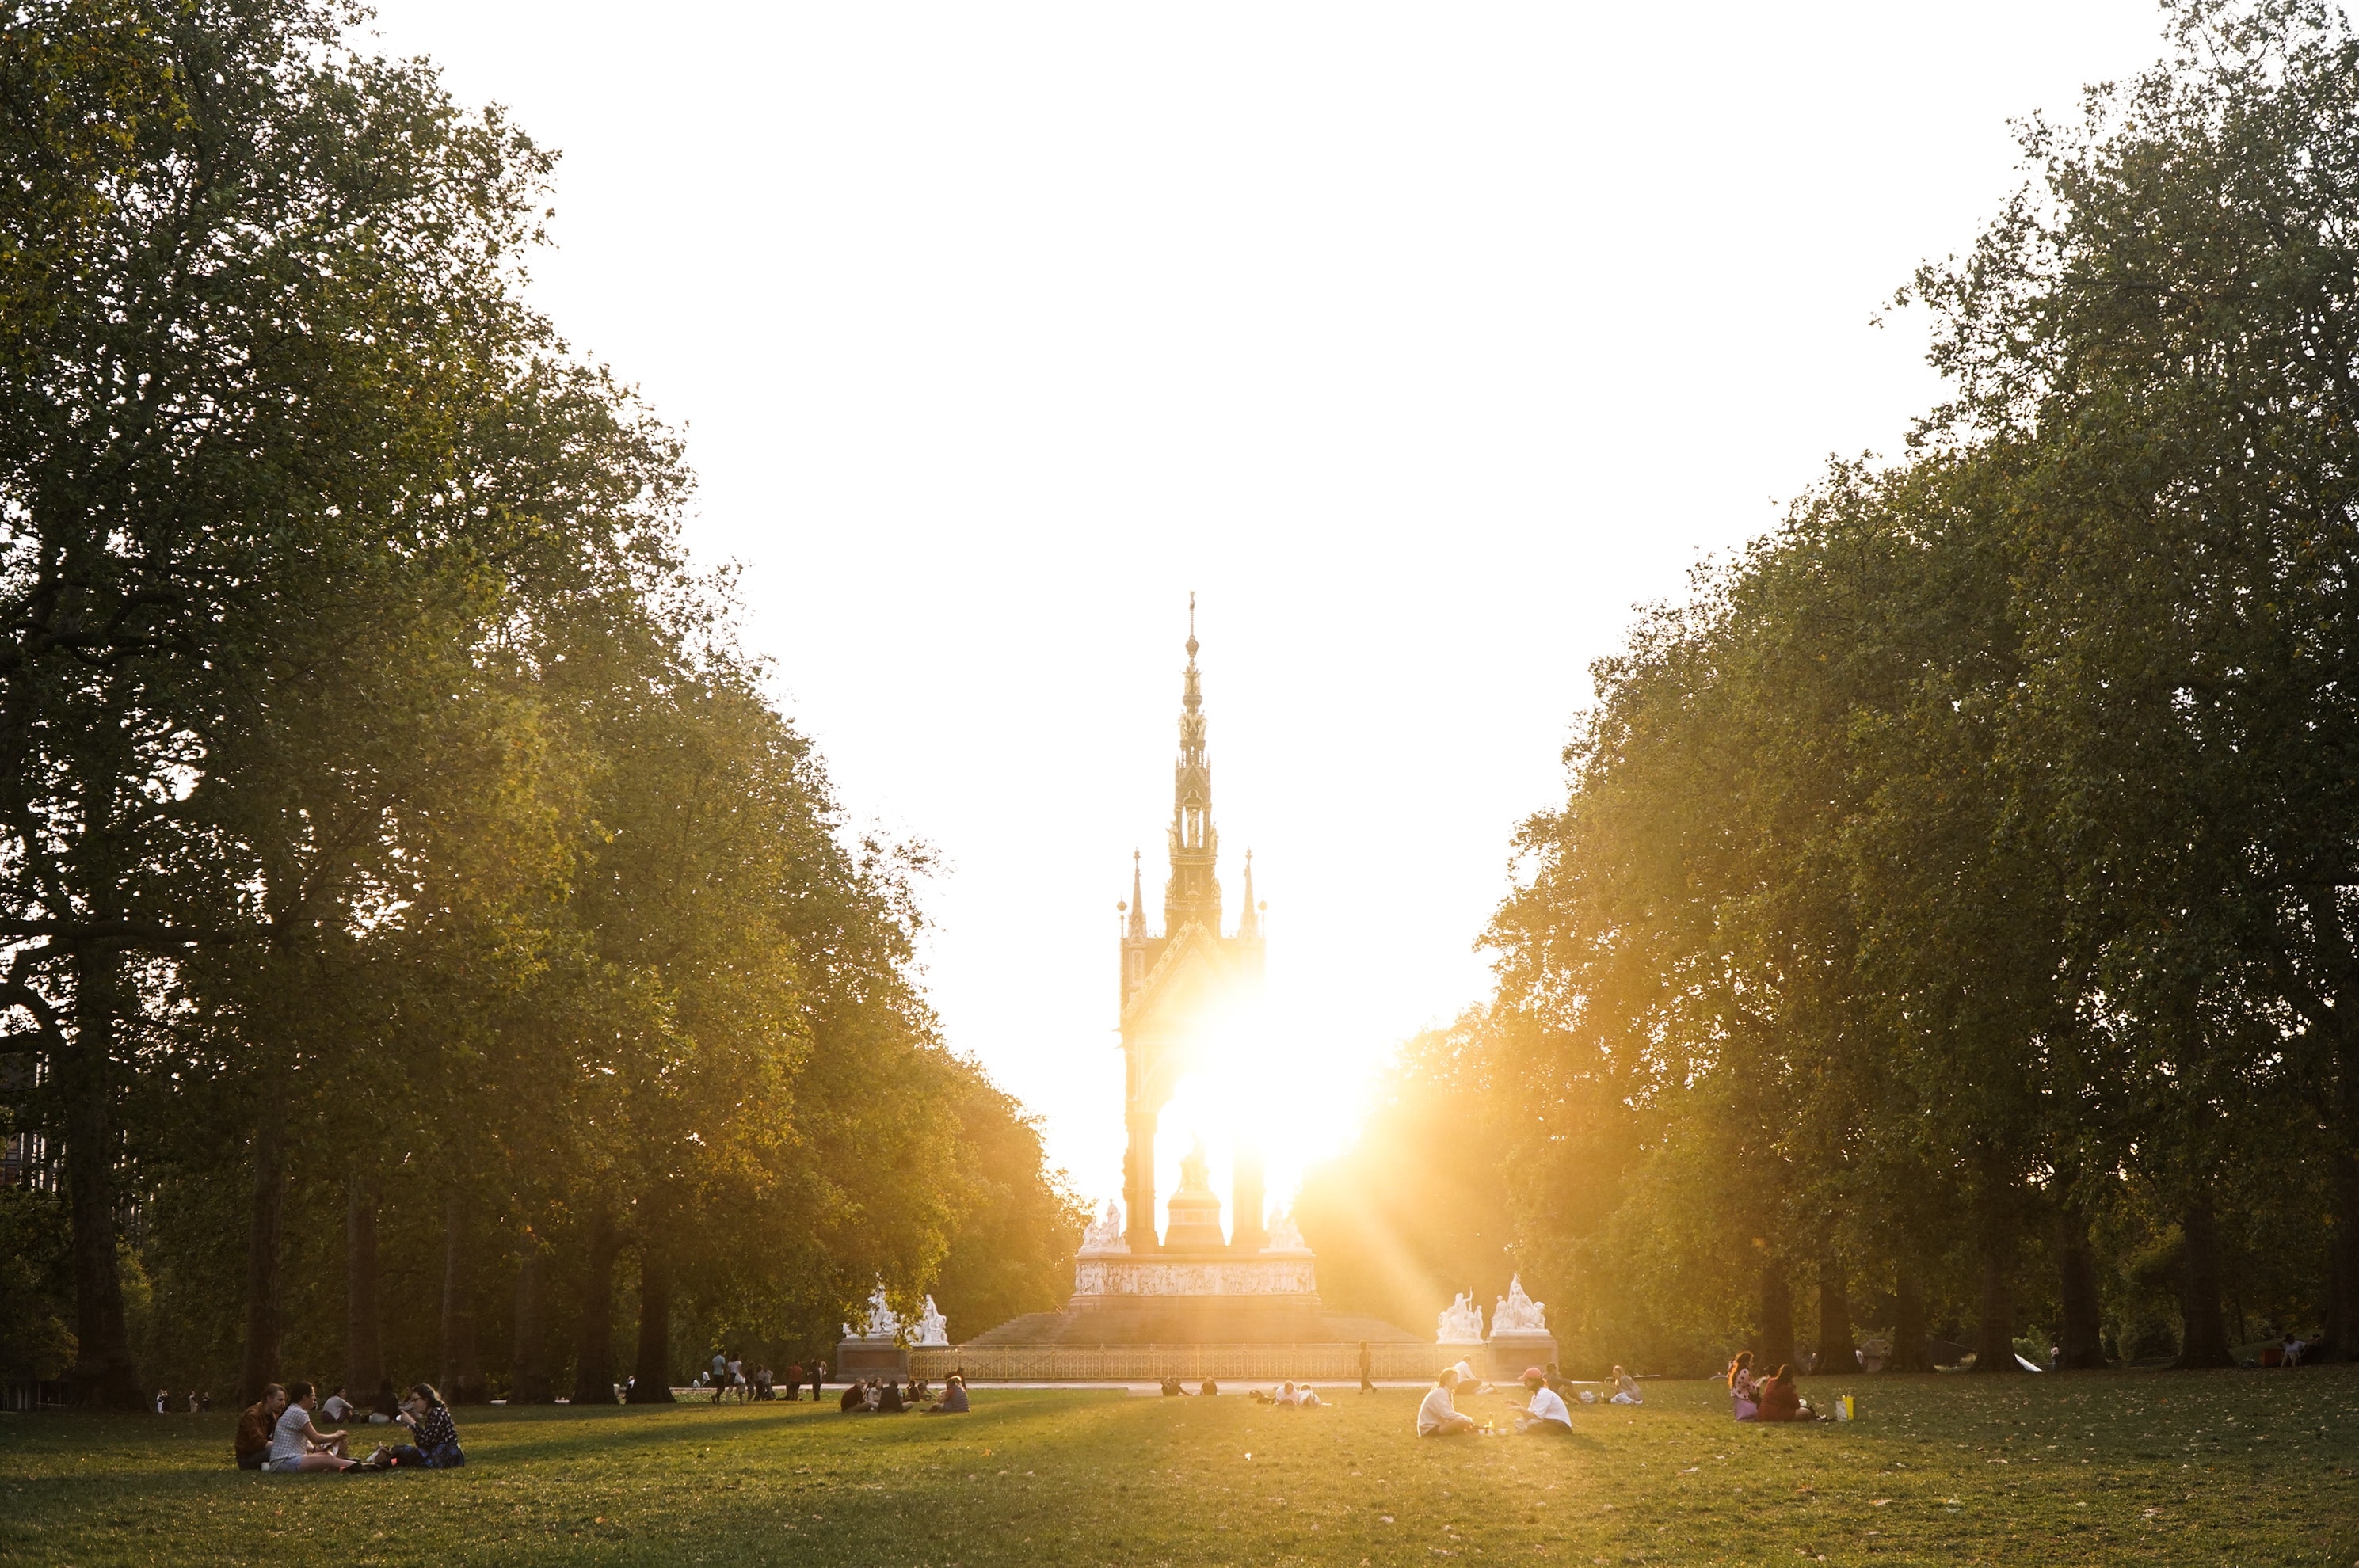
[1332,1362]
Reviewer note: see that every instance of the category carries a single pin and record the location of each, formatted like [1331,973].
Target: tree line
[1950,929]
[427,950]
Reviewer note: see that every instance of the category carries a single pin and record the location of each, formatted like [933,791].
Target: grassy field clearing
[2125,1467]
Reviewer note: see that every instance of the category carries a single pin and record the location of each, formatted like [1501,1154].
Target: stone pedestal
[1513,1349]
[859,1359]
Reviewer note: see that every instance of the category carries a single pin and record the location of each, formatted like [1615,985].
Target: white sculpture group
[1285,1236]
[1105,1233]
[1517,1312]
[882,1322]
[883,1325]
[933,1328]
[1461,1323]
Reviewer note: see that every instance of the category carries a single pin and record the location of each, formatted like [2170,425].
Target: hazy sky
[1420,341]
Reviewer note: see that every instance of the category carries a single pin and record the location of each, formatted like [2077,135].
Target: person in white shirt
[1438,1416]
[1306,1397]
[1547,1414]
[1626,1389]
[1285,1395]
[338,1409]
[296,1444]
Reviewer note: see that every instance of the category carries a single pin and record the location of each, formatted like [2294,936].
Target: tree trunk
[2082,1338]
[651,1379]
[2204,1339]
[462,1367]
[1909,1352]
[104,1375]
[265,1223]
[1773,1345]
[1995,1336]
[531,1386]
[2340,1317]
[593,1340]
[1838,1352]
[363,1324]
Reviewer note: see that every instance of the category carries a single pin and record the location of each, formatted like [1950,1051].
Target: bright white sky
[1422,341]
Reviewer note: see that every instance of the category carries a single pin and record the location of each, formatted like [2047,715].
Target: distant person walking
[1367,1365]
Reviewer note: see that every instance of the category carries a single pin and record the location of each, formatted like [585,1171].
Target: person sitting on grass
[1743,1396]
[1208,1388]
[296,1445]
[1547,1415]
[338,1409]
[1171,1389]
[252,1444]
[1781,1399]
[434,1436]
[1626,1389]
[888,1398]
[953,1400]
[1438,1416]
[854,1398]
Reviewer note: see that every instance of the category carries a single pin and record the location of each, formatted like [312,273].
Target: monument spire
[1137,903]
[1192,896]
[1249,917]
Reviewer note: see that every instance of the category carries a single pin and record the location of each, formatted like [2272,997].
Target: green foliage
[36,1286]
[389,824]
[1968,866]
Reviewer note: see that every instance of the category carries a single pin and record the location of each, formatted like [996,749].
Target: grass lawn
[2230,1467]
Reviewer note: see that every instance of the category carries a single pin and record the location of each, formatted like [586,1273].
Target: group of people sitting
[873,1397]
[276,1433]
[1289,1396]
[1547,1412]
[1774,1398]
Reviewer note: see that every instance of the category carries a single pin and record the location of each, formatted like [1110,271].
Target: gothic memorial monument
[1192,1284]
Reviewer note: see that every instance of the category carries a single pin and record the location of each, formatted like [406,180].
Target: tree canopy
[1952,905]
[405,884]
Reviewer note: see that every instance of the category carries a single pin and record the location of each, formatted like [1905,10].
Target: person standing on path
[1367,1365]
[819,1379]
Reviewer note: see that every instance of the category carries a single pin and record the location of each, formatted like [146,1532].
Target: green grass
[2121,1467]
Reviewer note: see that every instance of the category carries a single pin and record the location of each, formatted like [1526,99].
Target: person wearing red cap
[1547,1415]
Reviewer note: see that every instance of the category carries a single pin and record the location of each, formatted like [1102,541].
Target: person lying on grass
[1438,1416]
[1547,1415]
[434,1436]
[252,1444]
[296,1445]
